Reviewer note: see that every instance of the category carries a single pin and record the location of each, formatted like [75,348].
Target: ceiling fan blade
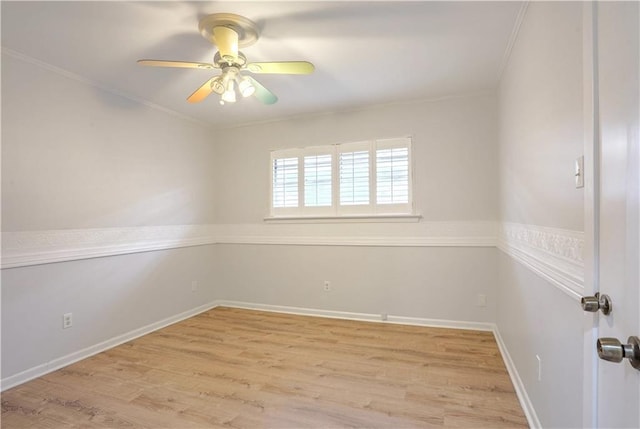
[203,92]
[182,64]
[262,93]
[226,39]
[283,67]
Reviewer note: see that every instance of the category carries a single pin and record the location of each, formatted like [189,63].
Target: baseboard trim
[363,317]
[521,392]
[43,369]
[55,364]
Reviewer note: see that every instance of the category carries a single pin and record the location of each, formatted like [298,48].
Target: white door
[618,58]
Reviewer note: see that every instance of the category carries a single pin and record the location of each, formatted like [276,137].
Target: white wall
[422,282]
[455,179]
[75,156]
[540,134]
[541,131]
[454,144]
[108,297]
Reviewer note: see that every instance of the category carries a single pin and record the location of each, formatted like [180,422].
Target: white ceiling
[365,53]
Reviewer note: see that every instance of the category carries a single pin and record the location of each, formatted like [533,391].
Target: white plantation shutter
[392,169]
[357,179]
[393,178]
[354,177]
[317,180]
[285,182]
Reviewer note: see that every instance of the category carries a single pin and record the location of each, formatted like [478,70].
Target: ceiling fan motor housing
[247,31]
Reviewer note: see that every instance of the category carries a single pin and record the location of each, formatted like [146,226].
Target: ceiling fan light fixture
[229,95]
[229,32]
[217,86]
[245,86]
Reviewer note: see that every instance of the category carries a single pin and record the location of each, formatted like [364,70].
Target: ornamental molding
[25,248]
[555,254]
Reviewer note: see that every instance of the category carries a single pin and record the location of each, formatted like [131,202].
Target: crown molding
[398,103]
[78,78]
[512,38]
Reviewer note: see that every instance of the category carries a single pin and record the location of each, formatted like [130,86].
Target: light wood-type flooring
[249,369]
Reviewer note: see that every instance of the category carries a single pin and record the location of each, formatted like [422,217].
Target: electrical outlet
[194,285]
[539,368]
[67,320]
[481,300]
[327,285]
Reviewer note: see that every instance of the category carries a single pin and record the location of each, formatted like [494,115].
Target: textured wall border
[554,254]
[21,249]
[366,233]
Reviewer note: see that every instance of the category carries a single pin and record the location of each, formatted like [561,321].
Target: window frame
[336,210]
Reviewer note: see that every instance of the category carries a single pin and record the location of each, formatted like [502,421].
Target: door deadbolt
[597,302]
[610,349]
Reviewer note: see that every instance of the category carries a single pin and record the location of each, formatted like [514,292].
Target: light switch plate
[579,172]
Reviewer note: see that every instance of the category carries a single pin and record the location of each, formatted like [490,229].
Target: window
[285,182]
[392,169]
[354,178]
[317,180]
[363,178]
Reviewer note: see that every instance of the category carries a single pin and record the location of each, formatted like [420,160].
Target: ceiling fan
[229,32]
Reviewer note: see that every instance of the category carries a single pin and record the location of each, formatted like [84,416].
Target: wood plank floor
[249,369]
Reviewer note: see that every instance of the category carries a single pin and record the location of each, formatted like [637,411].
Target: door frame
[591,208]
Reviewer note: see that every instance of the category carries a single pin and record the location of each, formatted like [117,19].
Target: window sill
[406,218]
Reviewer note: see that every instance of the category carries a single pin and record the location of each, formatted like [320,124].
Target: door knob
[597,302]
[612,350]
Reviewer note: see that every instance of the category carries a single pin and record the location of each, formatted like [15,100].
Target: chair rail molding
[25,248]
[413,234]
[554,254]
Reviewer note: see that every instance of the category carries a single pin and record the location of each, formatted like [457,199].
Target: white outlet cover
[481,300]
[67,320]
